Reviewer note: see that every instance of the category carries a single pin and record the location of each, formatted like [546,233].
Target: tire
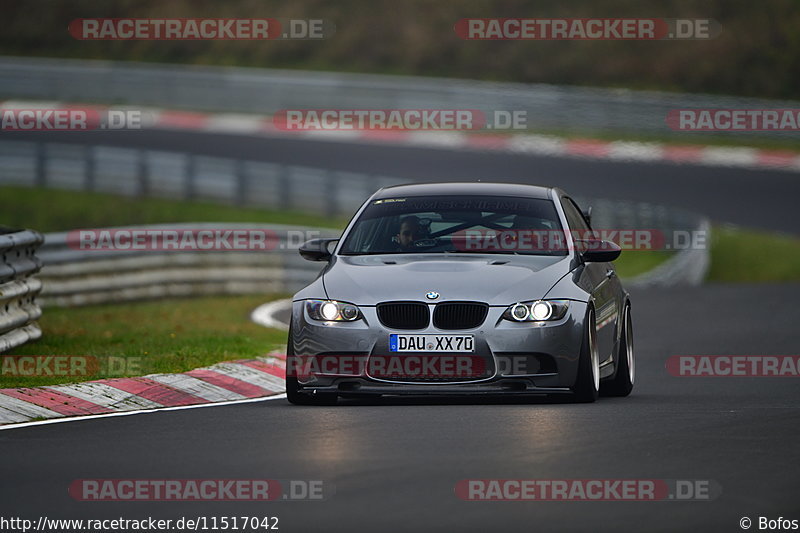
[587,382]
[624,377]
[293,393]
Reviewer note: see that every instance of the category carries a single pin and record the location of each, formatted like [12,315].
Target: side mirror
[587,214]
[317,249]
[598,251]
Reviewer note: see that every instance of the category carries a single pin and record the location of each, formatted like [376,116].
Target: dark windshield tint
[438,224]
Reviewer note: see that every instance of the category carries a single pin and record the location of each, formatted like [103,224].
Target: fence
[18,307]
[265,91]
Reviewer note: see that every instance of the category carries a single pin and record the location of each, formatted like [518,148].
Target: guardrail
[73,277]
[18,307]
[175,175]
[265,91]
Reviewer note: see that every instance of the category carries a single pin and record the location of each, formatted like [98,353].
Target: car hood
[494,279]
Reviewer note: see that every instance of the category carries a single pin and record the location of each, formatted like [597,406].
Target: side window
[574,215]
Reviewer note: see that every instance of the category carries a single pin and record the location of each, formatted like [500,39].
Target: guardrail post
[190,170]
[18,288]
[88,158]
[284,187]
[142,173]
[331,187]
[369,185]
[241,182]
[41,165]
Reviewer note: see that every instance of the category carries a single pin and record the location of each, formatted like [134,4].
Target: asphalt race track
[394,465]
[757,198]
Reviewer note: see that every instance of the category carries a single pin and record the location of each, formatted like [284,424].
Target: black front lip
[366,387]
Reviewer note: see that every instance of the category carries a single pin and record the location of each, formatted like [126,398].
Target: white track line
[264,315]
[138,412]
[234,123]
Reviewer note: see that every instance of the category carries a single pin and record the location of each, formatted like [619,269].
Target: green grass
[738,255]
[148,337]
[49,210]
[743,255]
[634,262]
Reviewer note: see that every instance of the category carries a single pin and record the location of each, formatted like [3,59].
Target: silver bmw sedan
[462,289]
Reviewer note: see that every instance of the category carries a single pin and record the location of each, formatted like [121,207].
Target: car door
[600,280]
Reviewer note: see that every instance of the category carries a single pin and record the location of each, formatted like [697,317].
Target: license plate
[431,343]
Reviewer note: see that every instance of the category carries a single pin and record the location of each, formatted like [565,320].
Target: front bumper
[551,351]
[496,387]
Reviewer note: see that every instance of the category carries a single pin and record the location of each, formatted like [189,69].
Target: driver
[410,231]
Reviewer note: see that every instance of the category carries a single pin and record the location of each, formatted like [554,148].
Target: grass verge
[743,255]
[635,262]
[148,337]
[48,210]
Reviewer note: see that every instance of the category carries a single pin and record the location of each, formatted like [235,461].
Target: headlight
[332,311]
[537,311]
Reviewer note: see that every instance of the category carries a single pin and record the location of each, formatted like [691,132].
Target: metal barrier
[74,276]
[174,175]
[265,91]
[18,307]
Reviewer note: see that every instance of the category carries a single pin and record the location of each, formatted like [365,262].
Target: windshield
[466,224]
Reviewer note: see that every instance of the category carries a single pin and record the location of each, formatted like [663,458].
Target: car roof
[478,188]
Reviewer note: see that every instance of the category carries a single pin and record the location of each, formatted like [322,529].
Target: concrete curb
[220,383]
[641,152]
[265,314]
[687,267]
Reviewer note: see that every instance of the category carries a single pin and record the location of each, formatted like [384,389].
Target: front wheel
[622,384]
[293,393]
[587,383]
